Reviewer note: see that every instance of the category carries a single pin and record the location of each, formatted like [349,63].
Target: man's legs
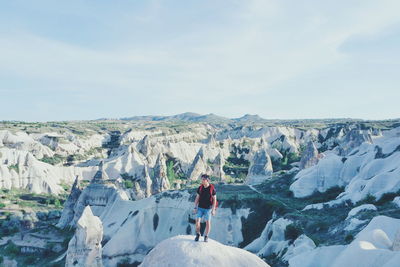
[208,227]
[207,218]
[198,219]
[198,225]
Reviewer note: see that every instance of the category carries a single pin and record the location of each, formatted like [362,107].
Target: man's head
[205,179]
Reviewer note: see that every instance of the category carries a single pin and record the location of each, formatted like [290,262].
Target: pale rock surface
[302,244]
[354,138]
[396,241]
[320,177]
[309,157]
[370,168]
[199,166]
[217,170]
[183,251]
[23,141]
[160,182]
[396,201]
[354,223]
[67,214]
[133,228]
[260,168]
[20,169]
[100,195]
[272,239]
[84,249]
[372,247]
[363,207]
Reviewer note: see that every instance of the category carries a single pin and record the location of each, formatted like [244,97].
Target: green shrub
[2,205]
[126,176]
[349,238]
[126,263]
[128,184]
[57,203]
[14,167]
[30,260]
[387,197]
[292,232]
[170,171]
[56,159]
[326,196]
[11,249]
[369,199]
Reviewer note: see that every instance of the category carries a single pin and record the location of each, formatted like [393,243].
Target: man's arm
[214,204]
[196,203]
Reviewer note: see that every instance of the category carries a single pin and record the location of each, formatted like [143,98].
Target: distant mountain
[250,118]
[245,119]
[187,116]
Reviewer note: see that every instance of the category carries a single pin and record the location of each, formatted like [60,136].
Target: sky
[280,59]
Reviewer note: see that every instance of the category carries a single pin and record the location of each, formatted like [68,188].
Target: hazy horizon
[167,115]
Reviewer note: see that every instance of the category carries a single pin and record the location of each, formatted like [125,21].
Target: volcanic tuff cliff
[294,171]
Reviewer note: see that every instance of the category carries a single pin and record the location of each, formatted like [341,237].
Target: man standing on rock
[205,205]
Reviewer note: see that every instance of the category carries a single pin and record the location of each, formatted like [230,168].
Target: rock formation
[260,168]
[354,138]
[68,210]
[310,156]
[217,170]
[396,241]
[160,180]
[199,166]
[144,146]
[371,247]
[98,194]
[182,251]
[84,249]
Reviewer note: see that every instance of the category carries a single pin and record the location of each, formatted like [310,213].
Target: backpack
[212,188]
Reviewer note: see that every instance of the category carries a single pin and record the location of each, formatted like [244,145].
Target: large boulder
[184,251]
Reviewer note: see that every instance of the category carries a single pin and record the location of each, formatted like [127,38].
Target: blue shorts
[204,213]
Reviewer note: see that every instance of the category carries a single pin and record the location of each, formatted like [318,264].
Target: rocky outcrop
[371,247]
[160,180]
[20,169]
[99,194]
[354,138]
[84,249]
[144,146]
[199,166]
[368,169]
[321,177]
[133,228]
[309,157]
[217,169]
[272,238]
[68,210]
[260,168]
[396,241]
[273,241]
[182,251]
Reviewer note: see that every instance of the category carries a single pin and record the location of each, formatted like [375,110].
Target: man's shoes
[197,237]
[205,238]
